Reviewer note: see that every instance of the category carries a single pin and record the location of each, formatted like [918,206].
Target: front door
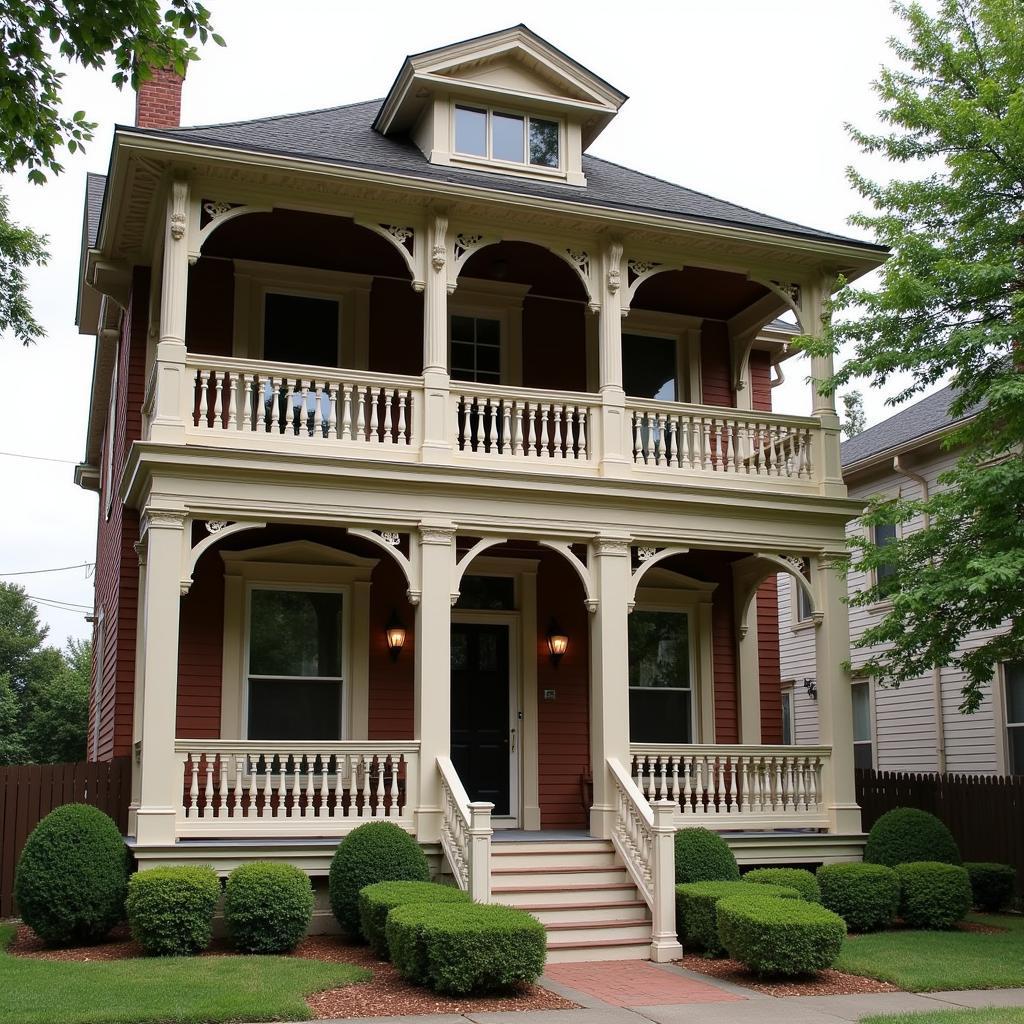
[480,712]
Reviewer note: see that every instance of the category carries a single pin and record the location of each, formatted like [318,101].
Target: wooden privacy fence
[28,792]
[985,813]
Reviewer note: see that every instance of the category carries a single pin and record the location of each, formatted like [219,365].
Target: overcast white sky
[743,99]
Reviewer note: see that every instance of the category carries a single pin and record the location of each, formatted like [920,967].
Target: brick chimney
[158,101]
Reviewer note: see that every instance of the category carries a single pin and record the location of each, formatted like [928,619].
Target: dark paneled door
[480,711]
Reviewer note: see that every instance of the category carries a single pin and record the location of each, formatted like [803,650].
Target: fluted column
[437,426]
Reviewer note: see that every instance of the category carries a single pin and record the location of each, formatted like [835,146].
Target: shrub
[793,878]
[375,852]
[170,910]
[773,936]
[376,901]
[696,919]
[933,895]
[991,884]
[267,907]
[865,896]
[704,856]
[462,948]
[71,878]
[906,834]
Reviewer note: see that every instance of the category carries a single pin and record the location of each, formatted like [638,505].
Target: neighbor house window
[1013,685]
[295,671]
[660,684]
[804,609]
[863,755]
[511,138]
[788,716]
[885,575]
[476,349]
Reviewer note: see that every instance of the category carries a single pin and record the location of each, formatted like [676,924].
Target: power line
[60,568]
[39,458]
[69,606]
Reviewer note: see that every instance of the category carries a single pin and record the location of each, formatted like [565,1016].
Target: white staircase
[581,892]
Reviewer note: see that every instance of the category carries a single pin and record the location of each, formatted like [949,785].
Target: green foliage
[865,896]
[704,856]
[933,894]
[12,745]
[464,948]
[170,910]
[70,881]
[773,936]
[906,834]
[793,878]
[696,917]
[991,884]
[949,306]
[375,852]
[20,248]
[855,421]
[376,901]
[267,907]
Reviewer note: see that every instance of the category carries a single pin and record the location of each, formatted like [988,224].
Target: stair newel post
[664,943]
[480,833]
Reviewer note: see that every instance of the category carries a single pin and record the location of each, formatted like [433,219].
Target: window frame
[559,170]
[493,300]
[788,705]
[685,332]
[691,640]
[896,538]
[870,741]
[1004,725]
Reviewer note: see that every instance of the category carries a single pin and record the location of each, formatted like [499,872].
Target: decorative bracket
[564,548]
[648,557]
[387,540]
[217,530]
[219,213]
[462,564]
[638,271]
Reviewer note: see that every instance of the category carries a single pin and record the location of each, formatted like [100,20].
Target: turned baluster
[236,793]
[388,398]
[545,450]
[638,446]
[687,785]
[309,811]
[378,811]
[374,399]
[204,398]
[789,781]
[745,786]
[492,426]
[269,810]
[361,396]
[733,767]
[581,436]
[393,809]
[403,429]
[193,789]
[346,412]
[251,764]
[208,808]
[365,785]
[218,401]
[556,424]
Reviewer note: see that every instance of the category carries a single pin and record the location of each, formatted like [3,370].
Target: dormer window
[507,137]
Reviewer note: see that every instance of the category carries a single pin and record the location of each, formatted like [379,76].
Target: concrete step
[566,876]
[608,949]
[517,895]
[555,913]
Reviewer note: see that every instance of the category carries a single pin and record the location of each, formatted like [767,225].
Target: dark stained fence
[985,813]
[29,792]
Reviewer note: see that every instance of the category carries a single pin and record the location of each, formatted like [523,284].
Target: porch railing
[465,834]
[735,787]
[293,788]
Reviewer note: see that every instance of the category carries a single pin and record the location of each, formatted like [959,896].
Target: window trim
[490,110]
[1004,725]
[691,639]
[685,331]
[872,738]
[798,623]
[788,690]
[493,300]
[897,536]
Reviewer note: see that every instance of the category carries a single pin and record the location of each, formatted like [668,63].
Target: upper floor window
[476,349]
[1013,684]
[510,138]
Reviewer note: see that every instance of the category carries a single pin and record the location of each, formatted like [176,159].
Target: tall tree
[36,36]
[950,305]
[855,420]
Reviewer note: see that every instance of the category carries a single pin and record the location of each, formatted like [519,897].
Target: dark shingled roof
[919,420]
[95,184]
[344,136]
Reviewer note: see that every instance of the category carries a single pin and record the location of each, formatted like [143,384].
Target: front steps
[580,891]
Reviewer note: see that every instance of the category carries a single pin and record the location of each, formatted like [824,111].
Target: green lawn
[929,961]
[174,989]
[1006,1015]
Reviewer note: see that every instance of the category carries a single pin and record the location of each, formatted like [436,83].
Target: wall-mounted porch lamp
[396,635]
[558,643]
[812,688]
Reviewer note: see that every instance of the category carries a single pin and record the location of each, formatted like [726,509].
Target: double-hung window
[788,716]
[507,137]
[863,755]
[660,679]
[1013,685]
[885,574]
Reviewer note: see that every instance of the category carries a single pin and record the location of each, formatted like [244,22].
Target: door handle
[513,741]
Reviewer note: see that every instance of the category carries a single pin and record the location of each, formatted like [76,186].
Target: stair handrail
[644,836]
[465,834]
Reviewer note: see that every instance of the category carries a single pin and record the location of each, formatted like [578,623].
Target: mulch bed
[827,983]
[387,995]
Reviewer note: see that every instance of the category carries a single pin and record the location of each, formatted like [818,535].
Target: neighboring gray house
[918,726]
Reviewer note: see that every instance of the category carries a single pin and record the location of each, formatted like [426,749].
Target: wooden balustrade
[735,787]
[292,788]
[704,440]
[465,834]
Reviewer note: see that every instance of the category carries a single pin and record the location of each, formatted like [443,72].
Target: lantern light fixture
[558,643]
[395,632]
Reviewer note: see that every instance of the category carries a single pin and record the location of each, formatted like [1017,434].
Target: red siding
[210,311]
[768,661]
[761,381]
[554,345]
[200,652]
[391,682]
[714,364]
[396,327]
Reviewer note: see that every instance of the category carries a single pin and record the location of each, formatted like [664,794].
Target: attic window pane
[543,143]
[471,131]
[507,137]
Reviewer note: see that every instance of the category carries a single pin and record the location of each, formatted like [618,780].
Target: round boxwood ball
[992,884]
[375,852]
[72,876]
[906,834]
[794,878]
[865,896]
[267,907]
[933,895]
[704,856]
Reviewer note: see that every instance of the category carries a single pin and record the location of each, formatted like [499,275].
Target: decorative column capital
[437,533]
[163,519]
[612,546]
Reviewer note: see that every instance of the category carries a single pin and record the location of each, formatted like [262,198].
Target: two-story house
[439,483]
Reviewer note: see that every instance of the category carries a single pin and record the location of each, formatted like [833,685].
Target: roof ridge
[273,117]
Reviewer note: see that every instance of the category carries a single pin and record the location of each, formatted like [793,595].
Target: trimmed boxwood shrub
[793,878]
[267,907]
[378,851]
[71,877]
[906,834]
[704,856]
[696,920]
[991,884]
[933,895]
[170,910]
[463,948]
[773,936]
[865,896]
[377,900]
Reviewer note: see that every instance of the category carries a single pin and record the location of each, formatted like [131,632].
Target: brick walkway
[636,983]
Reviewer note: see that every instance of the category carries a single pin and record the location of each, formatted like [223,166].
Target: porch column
[162,779]
[138,691]
[437,429]
[835,703]
[173,397]
[432,701]
[749,668]
[615,446]
[609,564]
[829,471]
